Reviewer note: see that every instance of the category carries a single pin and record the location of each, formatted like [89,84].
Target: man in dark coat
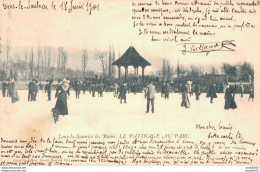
[212,92]
[93,89]
[150,96]
[197,91]
[4,88]
[163,89]
[100,89]
[8,89]
[48,88]
[123,89]
[31,90]
[167,90]
[84,86]
[77,89]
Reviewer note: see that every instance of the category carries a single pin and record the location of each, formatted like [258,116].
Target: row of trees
[42,63]
[107,68]
[51,63]
[241,72]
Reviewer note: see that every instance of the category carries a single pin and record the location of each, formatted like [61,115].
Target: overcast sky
[111,25]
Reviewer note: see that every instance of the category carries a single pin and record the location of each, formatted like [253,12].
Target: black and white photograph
[129,83]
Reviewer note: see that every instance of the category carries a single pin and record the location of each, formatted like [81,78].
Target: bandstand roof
[131,58]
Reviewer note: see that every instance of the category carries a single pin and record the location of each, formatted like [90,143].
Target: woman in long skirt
[185,98]
[61,95]
[227,97]
[14,93]
[233,104]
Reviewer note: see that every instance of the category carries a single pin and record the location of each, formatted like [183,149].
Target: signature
[227,45]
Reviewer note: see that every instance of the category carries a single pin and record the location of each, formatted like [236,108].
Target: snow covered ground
[106,115]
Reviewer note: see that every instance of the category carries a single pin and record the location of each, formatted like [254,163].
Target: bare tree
[113,59]
[39,53]
[84,61]
[164,69]
[101,55]
[7,55]
[31,64]
[110,60]
[63,60]
[54,63]
[26,64]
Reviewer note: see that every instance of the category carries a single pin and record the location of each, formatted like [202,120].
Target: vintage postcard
[129,83]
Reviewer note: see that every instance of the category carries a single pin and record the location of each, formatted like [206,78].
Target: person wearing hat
[31,90]
[100,89]
[251,94]
[241,89]
[123,89]
[184,95]
[93,89]
[167,90]
[77,89]
[197,91]
[48,88]
[227,96]
[61,94]
[14,93]
[233,104]
[163,89]
[212,92]
[150,96]
[115,89]
[36,90]
[4,88]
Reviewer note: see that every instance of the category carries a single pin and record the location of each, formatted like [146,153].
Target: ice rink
[106,115]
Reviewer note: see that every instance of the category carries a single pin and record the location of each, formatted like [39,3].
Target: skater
[163,89]
[84,86]
[4,88]
[241,90]
[14,93]
[36,90]
[189,88]
[150,96]
[100,89]
[197,91]
[123,89]
[115,89]
[227,97]
[185,97]
[251,94]
[61,94]
[212,92]
[31,90]
[145,92]
[233,104]
[48,88]
[134,87]
[9,88]
[93,89]
[77,89]
[167,90]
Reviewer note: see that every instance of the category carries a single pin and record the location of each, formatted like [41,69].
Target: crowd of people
[9,89]
[120,90]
